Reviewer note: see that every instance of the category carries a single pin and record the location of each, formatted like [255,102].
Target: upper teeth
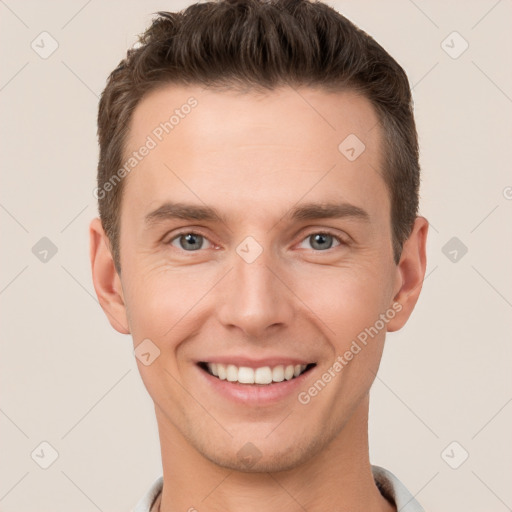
[263,375]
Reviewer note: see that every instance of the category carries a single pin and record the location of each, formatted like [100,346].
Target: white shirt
[389,486]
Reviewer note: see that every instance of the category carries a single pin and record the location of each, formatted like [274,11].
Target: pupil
[190,239]
[321,238]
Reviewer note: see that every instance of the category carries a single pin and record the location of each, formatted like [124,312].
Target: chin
[264,456]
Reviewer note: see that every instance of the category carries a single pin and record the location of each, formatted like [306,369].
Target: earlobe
[410,273]
[107,283]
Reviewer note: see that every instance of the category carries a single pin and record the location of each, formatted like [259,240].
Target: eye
[322,240]
[188,240]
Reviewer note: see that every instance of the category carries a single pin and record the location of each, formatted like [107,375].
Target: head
[262,116]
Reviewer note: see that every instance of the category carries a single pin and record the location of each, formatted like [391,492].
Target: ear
[107,282]
[410,273]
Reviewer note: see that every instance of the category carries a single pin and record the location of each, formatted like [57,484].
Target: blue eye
[189,240]
[323,241]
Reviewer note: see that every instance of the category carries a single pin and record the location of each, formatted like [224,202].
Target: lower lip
[256,394]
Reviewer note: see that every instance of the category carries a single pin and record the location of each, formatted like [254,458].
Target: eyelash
[321,232]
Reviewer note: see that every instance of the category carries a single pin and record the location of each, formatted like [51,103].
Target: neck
[338,477]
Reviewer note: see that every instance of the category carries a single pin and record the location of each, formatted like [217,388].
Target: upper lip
[256,363]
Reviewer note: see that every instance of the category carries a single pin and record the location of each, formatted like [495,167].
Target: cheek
[162,304]
[161,301]
[346,300]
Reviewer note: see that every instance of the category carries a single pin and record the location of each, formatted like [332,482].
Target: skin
[254,157]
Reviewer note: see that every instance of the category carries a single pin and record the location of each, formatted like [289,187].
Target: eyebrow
[307,211]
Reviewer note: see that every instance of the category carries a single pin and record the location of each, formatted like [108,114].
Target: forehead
[244,152]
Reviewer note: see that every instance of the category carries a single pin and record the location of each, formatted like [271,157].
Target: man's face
[262,286]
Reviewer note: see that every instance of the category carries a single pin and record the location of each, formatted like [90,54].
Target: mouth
[261,376]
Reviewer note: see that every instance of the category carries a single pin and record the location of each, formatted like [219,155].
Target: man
[258,193]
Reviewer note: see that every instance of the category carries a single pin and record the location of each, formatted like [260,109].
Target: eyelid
[187,231]
[343,240]
[312,231]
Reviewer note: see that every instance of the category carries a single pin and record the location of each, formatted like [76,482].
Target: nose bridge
[255,299]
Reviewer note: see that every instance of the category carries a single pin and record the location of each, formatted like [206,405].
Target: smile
[263,375]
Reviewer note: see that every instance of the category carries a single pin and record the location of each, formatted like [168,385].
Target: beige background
[67,378]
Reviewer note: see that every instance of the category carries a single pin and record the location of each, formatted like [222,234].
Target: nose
[256,298]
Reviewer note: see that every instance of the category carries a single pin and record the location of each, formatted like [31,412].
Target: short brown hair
[262,44]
